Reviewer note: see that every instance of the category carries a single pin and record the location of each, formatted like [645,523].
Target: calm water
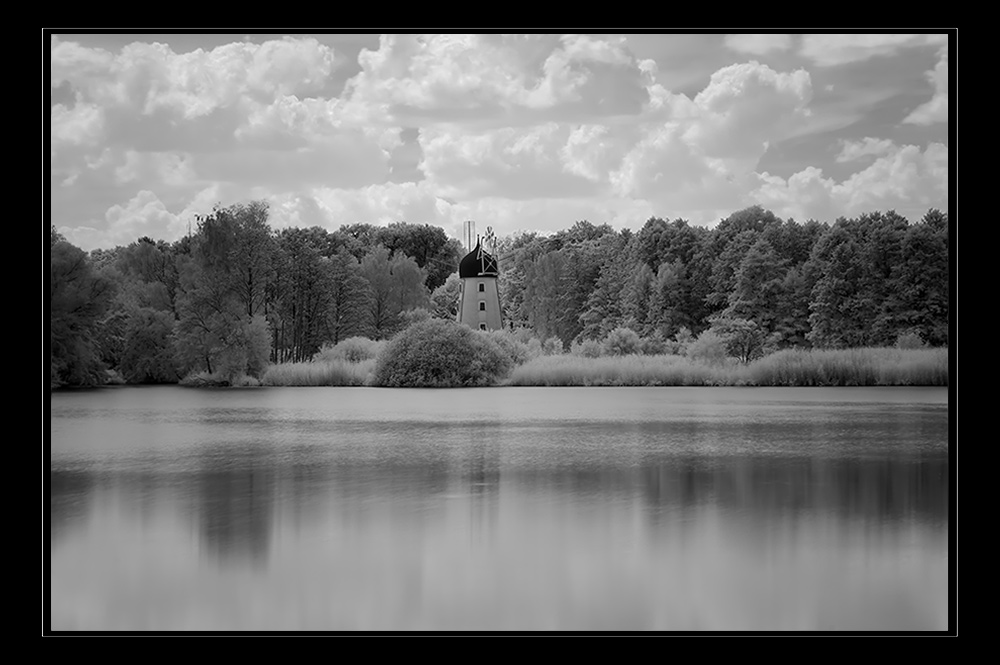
[500,509]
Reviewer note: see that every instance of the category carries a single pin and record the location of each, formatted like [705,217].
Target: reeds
[847,367]
[331,373]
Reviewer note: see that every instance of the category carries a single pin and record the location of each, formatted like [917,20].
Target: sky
[522,132]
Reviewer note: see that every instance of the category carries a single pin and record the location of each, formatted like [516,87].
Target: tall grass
[631,370]
[331,373]
[849,367]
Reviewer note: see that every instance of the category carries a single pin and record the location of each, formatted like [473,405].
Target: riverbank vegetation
[794,367]
[756,300]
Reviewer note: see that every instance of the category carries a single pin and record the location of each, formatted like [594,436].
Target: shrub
[682,339]
[351,350]
[518,351]
[440,353]
[553,346]
[709,347]
[588,348]
[411,316]
[910,339]
[621,342]
[654,345]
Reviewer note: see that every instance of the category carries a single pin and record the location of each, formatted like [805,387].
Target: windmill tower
[479,306]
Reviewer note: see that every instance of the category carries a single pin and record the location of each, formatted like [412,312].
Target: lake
[594,509]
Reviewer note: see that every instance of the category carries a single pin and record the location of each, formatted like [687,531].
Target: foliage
[79,297]
[621,342]
[760,283]
[351,350]
[148,354]
[744,338]
[910,339]
[319,373]
[709,348]
[587,348]
[792,367]
[438,353]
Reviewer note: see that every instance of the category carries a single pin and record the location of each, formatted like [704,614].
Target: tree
[78,299]
[148,355]
[744,338]
[839,315]
[445,298]
[429,246]
[348,297]
[757,287]
[395,284]
[666,300]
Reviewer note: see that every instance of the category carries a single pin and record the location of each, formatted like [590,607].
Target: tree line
[760,282]
[236,295]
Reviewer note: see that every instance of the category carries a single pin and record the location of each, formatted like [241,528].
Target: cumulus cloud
[852,150]
[902,178]
[703,163]
[829,50]
[758,44]
[936,110]
[81,125]
[146,77]
[169,168]
[143,215]
[451,78]
[511,162]
[523,132]
[745,107]
[420,203]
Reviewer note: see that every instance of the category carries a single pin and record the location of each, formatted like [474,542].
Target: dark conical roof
[478,262]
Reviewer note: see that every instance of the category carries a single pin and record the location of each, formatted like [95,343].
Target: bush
[910,339]
[518,351]
[351,350]
[588,348]
[654,345]
[682,340]
[709,347]
[440,353]
[622,342]
[553,346]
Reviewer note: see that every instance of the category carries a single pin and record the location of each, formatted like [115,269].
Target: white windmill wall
[480,307]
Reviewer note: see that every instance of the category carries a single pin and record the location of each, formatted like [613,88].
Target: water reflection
[294,522]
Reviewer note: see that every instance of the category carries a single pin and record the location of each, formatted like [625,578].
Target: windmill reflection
[483,473]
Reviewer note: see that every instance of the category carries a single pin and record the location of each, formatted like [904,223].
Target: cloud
[548,160]
[852,150]
[172,169]
[81,125]
[491,78]
[143,215]
[146,77]
[902,178]
[705,163]
[830,50]
[745,107]
[421,203]
[936,110]
[758,44]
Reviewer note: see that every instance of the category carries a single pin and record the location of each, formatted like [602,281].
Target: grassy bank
[846,367]
[319,373]
[849,367]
